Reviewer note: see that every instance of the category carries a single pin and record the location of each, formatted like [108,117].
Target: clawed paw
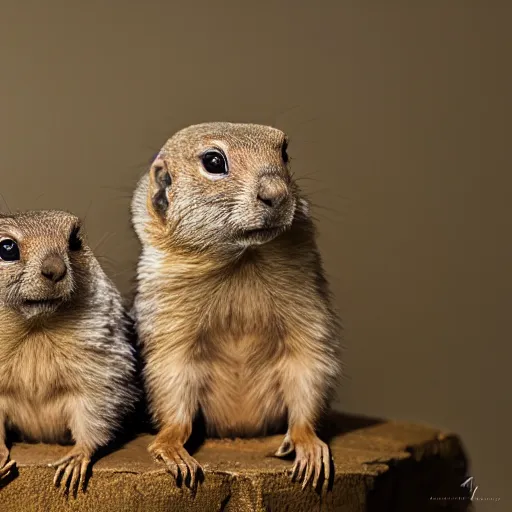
[178,462]
[6,468]
[71,472]
[312,460]
[287,447]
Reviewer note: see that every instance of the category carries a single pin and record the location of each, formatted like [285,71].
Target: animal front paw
[179,463]
[312,461]
[287,447]
[71,471]
[6,465]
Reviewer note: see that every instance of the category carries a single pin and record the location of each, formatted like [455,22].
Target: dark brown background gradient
[400,125]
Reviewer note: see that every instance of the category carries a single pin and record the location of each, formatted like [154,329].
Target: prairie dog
[66,367]
[232,309]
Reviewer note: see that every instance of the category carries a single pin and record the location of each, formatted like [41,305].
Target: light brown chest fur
[234,326]
[35,384]
[35,368]
[241,394]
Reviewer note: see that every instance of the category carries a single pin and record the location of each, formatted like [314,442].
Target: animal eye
[75,242]
[9,250]
[284,152]
[214,162]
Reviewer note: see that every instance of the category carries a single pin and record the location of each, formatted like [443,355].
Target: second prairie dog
[66,367]
[233,310]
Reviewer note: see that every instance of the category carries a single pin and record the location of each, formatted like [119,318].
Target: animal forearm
[304,386]
[88,425]
[174,397]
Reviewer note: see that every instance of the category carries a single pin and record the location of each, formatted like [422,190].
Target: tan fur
[240,328]
[66,367]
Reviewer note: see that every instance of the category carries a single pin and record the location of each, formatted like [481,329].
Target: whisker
[277,115]
[121,272]
[307,121]
[87,211]
[39,197]
[6,203]
[104,238]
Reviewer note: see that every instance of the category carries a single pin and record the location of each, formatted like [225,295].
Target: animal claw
[287,447]
[71,472]
[6,468]
[312,460]
[178,462]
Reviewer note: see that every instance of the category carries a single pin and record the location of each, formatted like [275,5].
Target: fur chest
[37,367]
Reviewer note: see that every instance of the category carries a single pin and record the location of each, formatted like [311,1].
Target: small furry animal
[233,311]
[66,367]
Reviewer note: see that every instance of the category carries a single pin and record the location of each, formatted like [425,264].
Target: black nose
[272,191]
[53,268]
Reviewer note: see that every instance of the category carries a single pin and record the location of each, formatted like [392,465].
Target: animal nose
[272,191]
[54,268]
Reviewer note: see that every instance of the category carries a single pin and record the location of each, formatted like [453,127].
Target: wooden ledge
[379,466]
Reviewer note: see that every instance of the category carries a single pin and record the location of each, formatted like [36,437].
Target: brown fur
[240,327]
[65,366]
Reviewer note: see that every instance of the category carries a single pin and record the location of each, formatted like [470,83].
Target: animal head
[218,184]
[42,260]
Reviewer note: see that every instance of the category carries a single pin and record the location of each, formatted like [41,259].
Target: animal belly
[241,405]
[47,423]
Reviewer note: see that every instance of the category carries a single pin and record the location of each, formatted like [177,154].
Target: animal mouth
[41,302]
[263,231]
[262,234]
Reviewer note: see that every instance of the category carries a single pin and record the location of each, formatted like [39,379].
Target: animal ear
[159,181]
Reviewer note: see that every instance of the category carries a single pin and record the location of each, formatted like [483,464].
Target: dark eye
[284,152]
[9,250]
[214,162]
[75,242]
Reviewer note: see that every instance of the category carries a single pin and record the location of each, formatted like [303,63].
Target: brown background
[400,122]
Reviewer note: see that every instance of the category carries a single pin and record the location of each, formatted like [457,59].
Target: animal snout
[272,191]
[54,268]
